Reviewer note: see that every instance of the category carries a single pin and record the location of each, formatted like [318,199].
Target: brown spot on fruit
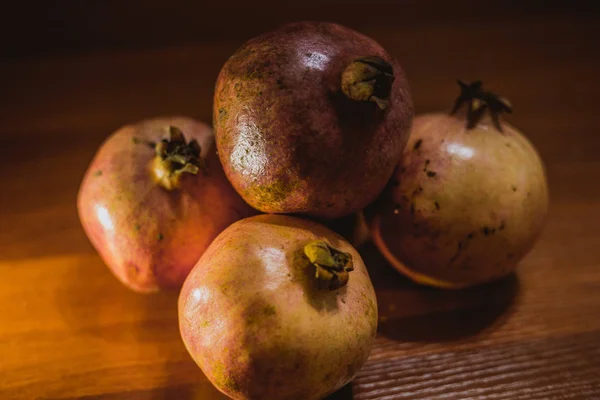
[98,173]
[457,254]
[514,188]
[418,144]
[486,231]
[437,205]
[222,115]
[160,237]
[269,310]
[431,174]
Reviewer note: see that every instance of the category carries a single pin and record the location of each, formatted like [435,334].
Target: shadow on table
[411,312]
[345,393]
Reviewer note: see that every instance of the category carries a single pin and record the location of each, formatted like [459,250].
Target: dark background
[37,28]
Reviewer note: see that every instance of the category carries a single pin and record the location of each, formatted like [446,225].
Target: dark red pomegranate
[311,118]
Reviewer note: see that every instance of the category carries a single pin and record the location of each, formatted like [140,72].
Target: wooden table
[69,330]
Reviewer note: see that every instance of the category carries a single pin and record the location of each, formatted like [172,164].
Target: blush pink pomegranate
[468,199]
[311,118]
[278,308]
[153,198]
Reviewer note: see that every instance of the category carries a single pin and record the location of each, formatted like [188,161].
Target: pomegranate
[468,198]
[153,198]
[278,308]
[312,119]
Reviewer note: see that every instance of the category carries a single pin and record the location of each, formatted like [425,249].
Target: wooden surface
[68,329]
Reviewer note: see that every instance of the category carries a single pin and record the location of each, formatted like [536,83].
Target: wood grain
[69,330]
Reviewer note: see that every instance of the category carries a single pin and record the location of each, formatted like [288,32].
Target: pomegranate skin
[464,205]
[148,236]
[289,139]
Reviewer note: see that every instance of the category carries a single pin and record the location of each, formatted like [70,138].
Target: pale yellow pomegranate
[468,199]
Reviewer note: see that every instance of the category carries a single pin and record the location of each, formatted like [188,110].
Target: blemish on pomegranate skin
[222,115]
[431,174]
[160,237]
[98,173]
[418,144]
[437,205]
[269,310]
[457,254]
[514,188]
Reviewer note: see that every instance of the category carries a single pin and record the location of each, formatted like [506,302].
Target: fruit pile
[314,120]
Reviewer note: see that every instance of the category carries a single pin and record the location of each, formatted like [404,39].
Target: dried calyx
[174,157]
[332,265]
[478,102]
[369,79]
